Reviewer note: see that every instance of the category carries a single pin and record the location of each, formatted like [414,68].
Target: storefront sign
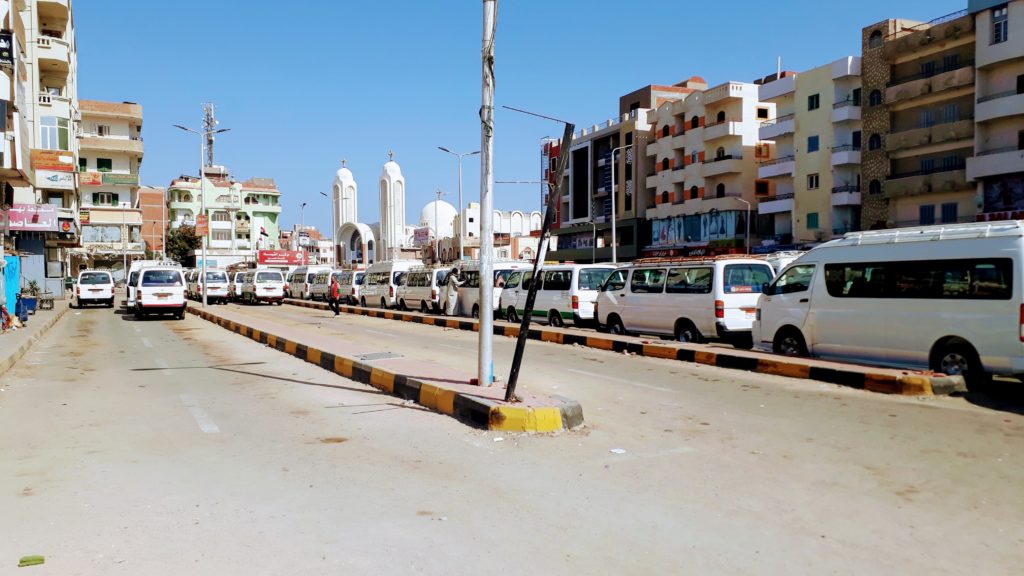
[52,180]
[83,215]
[708,227]
[202,227]
[30,218]
[56,160]
[66,225]
[90,179]
[120,179]
[281,257]
[421,236]
[6,48]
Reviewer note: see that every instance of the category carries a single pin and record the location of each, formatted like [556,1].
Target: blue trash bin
[21,310]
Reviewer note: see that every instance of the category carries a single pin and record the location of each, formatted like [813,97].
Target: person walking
[452,291]
[335,295]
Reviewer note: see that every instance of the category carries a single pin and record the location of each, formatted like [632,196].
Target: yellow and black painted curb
[563,413]
[862,378]
[12,356]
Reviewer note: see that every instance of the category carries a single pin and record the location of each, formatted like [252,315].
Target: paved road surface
[165,447]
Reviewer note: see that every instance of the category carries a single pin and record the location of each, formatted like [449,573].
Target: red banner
[202,226]
[281,257]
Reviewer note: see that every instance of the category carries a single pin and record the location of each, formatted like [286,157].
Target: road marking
[137,329]
[378,332]
[452,347]
[147,343]
[163,364]
[206,424]
[620,380]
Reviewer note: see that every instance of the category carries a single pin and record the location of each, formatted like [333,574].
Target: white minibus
[380,284]
[567,292]
[944,298]
[469,292]
[300,282]
[421,288]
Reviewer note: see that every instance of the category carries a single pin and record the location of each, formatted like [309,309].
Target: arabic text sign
[56,160]
[30,218]
[281,257]
[53,180]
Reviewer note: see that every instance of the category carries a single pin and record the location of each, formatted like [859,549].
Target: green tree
[182,244]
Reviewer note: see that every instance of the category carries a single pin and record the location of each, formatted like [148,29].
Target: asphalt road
[170,447]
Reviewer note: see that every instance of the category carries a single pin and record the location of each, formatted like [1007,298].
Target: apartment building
[919,84]
[109,157]
[997,167]
[242,217]
[153,205]
[703,179]
[808,186]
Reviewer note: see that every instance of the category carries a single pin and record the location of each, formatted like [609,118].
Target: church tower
[392,210]
[344,191]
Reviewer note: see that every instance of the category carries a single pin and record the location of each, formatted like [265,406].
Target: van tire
[423,307]
[789,342]
[138,314]
[362,301]
[401,305]
[687,332]
[476,311]
[615,326]
[383,304]
[511,315]
[555,319]
[959,358]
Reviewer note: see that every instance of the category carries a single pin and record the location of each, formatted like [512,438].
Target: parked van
[216,285]
[469,292]
[133,275]
[690,299]
[945,298]
[93,287]
[380,285]
[351,283]
[779,260]
[160,290]
[300,281]
[566,293]
[263,286]
[421,289]
[321,289]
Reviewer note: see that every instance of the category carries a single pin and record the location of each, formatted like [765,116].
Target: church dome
[444,213]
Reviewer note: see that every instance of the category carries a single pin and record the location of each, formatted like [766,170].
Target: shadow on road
[1005,395]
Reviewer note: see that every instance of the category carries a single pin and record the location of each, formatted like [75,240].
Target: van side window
[616,281]
[690,280]
[558,280]
[746,278]
[360,278]
[513,280]
[965,279]
[648,281]
[795,279]
[592,278]
[472,278]
[527,280]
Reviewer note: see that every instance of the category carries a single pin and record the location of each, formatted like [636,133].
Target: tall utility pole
[334,225]
[485,365]
[437,227]
[462,207]
[615,201]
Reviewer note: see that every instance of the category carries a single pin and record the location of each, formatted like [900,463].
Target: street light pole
[485,360]
[163,227]
[462,207]
[615,200]
[302,227]
[334,231]
[746,241]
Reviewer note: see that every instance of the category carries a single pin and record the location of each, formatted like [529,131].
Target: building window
[102,130]
[812,144]
[53,133]
[664,164]
[83,164]
[950,62]
[812,221]
[949,213]
[874,142]
[695,122]
[875,40]
[693,158]
[927,165]
[1000,25]
[762,151]
[720,191]
[814,102]
[926,214]
[875,187]
[875,98]
[104,199]
[720,153]
[220,216]
[664,197]
[720,117]
[694,192]
[664,131]
[104,164]
[813,181]
[220,234]
[762,113]
[761,188]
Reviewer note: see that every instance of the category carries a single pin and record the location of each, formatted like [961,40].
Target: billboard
[202,226]
[421,236]
[281,257]
[30,218]
[53,180]
[55,160]
[90,179]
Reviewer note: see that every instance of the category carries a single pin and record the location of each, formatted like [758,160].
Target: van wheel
[383,304]
[960,359]
[615,326]
[476,311]
[687,332]
[138,314]
[789,342]
[402,306]
[362,302]
[555,319]
[423,307]
[511,315]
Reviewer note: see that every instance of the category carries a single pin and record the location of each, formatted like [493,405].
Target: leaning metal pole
[554,193]
[485,365]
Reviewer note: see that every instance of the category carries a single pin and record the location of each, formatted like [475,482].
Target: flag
[263,231]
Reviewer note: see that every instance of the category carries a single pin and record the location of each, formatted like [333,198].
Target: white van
[421,289]
[93,287]
[566,293]
[351,283]
[133,275]
[300,281]
[263,286]
[216,285]
[691,299]
[380,285]
[945,298]
[321,288]
[779,260]
[469,292]
[160,290]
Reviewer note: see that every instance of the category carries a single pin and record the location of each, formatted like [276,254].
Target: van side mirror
[766,288]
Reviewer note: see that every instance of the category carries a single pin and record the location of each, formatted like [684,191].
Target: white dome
[391,171]
[344,175]
[443,227]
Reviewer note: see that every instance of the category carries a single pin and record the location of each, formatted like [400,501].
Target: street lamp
[615,200]
[302,227]
[203,135]
[746,241]
[462,207]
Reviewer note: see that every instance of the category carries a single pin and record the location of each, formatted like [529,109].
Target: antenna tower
[209,127]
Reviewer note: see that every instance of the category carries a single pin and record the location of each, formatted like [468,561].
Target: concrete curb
[885,381]
[12,358]
[562,414]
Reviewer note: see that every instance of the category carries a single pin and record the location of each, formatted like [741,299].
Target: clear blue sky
[303,84]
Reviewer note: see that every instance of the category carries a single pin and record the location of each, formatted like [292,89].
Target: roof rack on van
[931,233]
[696,259]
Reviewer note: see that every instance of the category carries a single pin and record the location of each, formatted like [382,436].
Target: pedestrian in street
[335,295]
[452,292]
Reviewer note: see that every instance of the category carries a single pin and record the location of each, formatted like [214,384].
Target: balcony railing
[846,188]
[711,124]
[927,25]
[726,157]
[998,151]
[935,72]
[960,165]
[775,121]
[845,103]
[997,96]
[786,196]
[779,160]
[941,122]
[846,148]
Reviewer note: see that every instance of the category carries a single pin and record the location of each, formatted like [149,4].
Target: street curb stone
[20,351]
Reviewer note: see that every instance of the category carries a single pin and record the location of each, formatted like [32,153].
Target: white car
[263,286]
[216,285]
[93,287]
[160,290]
[566,293]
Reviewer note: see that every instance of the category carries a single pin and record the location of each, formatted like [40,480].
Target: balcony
[772,129]
[849,66]
[918,85]
[845,111]
[995,163]
[54,105]
[728,164]
[909,40]
[936,134]
[93,143]
[846,196]
[775,204]
[650,182]
[780,87]
[1001,105]
[784,166]
[843,155]
[54,54]
[952,179]
[723,92]
[220,225]
[652,148]
[112,110]
[722,130]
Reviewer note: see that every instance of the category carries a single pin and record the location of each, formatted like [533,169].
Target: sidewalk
[439,388]
[15,343]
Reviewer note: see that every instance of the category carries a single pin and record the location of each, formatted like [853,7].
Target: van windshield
[398,277]
[268,277]
[133,278]
[94,278]
[592,279]
[359,279]
[161,278]
[746,278]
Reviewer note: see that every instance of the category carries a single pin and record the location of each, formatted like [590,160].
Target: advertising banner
[30,218]
[56,160]
[202,226]
[120,179]
[90,179]
[281,257]
[52,180]
[6,48]
[84,215]
[421,236]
